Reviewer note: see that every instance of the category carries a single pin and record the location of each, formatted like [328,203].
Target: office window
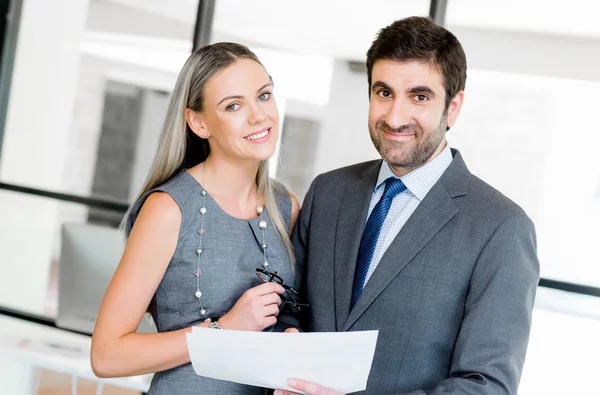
[63,93]
[88,94]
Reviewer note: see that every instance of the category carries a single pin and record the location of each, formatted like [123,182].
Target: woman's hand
[255,310]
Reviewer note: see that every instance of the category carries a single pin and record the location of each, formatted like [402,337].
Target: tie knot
[393,186]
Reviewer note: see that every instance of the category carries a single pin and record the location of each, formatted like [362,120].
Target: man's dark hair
[418,38]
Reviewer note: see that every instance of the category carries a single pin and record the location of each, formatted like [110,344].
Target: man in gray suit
[414,245]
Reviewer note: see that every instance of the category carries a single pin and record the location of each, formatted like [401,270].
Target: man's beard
[411,154]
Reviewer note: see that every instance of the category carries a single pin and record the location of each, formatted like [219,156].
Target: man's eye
[421,98]
[384,93]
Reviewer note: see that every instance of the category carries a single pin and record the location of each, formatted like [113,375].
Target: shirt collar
[422,179]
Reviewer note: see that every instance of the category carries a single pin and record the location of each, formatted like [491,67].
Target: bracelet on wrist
[213,324]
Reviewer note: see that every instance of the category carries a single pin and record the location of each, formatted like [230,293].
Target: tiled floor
[53,383]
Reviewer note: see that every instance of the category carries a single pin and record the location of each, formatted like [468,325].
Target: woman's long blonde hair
[180,148]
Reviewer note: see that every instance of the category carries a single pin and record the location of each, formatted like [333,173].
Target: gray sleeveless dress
[231,253]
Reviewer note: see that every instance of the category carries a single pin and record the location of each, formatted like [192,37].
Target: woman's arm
[117,350]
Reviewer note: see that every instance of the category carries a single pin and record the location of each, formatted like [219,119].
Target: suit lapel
[351,222]
[436,209]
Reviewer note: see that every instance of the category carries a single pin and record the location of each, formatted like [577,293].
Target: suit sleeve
[490,350]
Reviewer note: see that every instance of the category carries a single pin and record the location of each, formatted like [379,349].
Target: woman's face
[240,114]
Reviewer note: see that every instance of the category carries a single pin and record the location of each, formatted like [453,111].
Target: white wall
[344,137]
[534,139]
[117,16]
[503,134]
[530,53]
[154,108]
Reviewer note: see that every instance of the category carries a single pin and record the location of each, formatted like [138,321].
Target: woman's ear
[196,123]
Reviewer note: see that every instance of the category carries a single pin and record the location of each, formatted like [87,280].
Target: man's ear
[195,121]
[454,108]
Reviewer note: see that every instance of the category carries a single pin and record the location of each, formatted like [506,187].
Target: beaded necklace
[198,272]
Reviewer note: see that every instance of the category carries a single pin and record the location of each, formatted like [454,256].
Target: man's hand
[309,388]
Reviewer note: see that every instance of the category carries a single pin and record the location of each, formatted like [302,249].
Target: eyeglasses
[290,295]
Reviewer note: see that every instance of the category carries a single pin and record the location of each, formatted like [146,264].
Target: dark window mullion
[91,202]
[437,11]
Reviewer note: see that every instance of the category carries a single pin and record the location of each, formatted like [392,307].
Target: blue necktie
[393,186]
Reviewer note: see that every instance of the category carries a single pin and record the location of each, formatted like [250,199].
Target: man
[415,246]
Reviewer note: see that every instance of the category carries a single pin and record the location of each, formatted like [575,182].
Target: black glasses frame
[290,296]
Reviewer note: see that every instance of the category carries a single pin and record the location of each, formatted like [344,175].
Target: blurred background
[84,86]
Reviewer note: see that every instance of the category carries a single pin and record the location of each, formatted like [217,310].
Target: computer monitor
[89,256]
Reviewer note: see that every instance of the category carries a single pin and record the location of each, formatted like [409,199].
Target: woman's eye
[265,96]
[232,107]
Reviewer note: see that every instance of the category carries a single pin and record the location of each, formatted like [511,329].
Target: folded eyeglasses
[290,296]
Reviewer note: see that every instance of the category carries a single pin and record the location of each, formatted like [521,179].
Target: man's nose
[398,114]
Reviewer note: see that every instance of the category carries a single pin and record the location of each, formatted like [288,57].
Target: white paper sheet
[341,361]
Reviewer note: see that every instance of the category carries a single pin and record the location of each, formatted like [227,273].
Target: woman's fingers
[272,310]
[268,288]
[272,298]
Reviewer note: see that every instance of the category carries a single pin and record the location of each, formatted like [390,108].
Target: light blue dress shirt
[418,183]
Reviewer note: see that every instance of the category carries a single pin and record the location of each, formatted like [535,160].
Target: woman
[208,216]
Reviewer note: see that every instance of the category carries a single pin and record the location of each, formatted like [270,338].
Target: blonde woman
[207,218]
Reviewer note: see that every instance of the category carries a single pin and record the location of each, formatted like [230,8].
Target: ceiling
[342,29]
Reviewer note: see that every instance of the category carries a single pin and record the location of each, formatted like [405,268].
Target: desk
[55,349]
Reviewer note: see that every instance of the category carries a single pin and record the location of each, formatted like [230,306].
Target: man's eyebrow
[421,89]
[381,84]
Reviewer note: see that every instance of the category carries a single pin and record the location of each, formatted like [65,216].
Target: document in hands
[338,360]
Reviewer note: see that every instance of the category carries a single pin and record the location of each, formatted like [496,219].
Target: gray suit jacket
[452,296]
